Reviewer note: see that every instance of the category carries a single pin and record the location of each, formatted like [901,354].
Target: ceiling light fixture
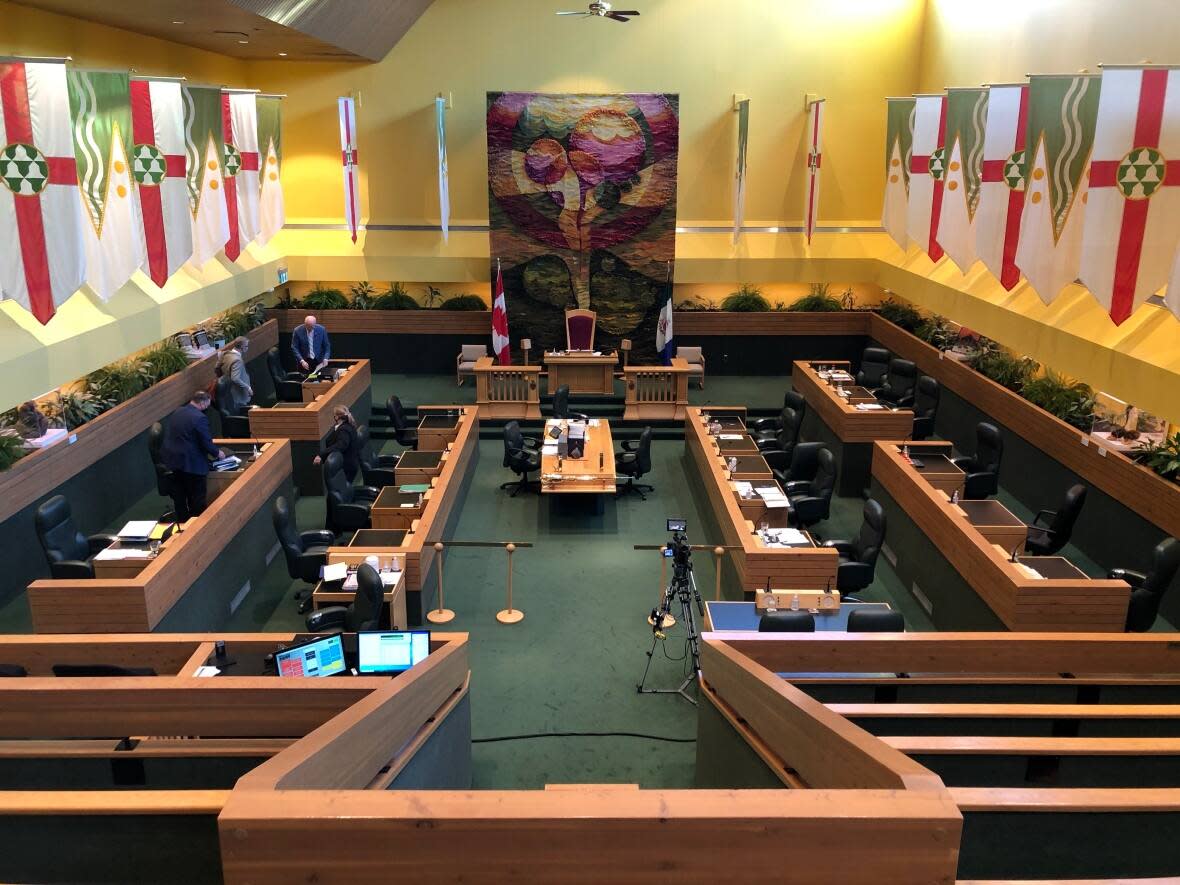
[177,22]
[283,54]
[244,42]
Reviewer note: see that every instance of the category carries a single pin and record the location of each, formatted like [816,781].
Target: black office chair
[875,620]
[522,455]
[233,426]
[898,390]
[163,474]
[874,367]
[100,670]
[561,404]
[858,557]
[1148,588]
[376,470]
[798,464]
[982,468]
[1048,539]
[9,671]
[348,506]
[925,407]
[633,462]
[404,434]
[786,622]
[306,552]
[791,400]
[811,501]
[363,613]
[70,553]
[784,439]
[288,385]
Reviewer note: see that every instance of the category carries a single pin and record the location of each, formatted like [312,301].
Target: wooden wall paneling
[848,423]
[55,803]
[389,322]
[38,654]
[694,323]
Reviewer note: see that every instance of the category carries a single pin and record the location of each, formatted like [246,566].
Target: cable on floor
[562,734]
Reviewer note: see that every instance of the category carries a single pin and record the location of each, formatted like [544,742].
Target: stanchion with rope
[718,552]
[510,615]
[440,615]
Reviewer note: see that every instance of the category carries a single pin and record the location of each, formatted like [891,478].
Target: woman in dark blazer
[344,439]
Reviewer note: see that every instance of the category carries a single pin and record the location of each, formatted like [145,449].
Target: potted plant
[325,298]
[819,300]
[463,302]
[1162,456]
[395,298]
[362,294]
[747,299]
[1071,401]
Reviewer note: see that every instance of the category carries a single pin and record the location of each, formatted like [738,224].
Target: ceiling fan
[602,9]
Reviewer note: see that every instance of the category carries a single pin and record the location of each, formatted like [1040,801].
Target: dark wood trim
[390,322]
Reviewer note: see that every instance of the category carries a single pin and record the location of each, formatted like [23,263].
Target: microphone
[828,586]
[1015,553]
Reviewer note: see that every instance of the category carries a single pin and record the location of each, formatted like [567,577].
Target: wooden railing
[656,392]
[507,391]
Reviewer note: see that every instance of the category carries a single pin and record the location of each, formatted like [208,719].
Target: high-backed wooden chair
[579,329]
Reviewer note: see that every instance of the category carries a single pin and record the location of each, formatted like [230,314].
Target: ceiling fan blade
[617,17]
[571,13]
[625,11]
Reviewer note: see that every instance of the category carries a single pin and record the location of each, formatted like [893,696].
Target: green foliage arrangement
[362,294]
[747,299]
[994,362]
[117,382]
[937,331]
[395,298]
[463,302]
[12,448]
[1163,456]
[76,408]
[324,298]
[163,360]
[1071,401]
[287,301]
[433,297]
[256,314]
[695,302]
[230,325]
[899,313]
[819,300]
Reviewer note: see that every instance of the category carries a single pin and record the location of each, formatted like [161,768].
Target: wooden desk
[939,472]
[418,467]
[755,511]
[981,587]
[397,510]
[582,371]
[437,431]
[743,445]
[140,602]
[584,475]
[328,593]
[995,522]
[128,568]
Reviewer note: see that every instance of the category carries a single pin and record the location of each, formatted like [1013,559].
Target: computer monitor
[379,652]
[319,657]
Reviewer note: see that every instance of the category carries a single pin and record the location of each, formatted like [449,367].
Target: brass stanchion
[510,615]
[669,621]
[718,552]
[440,615]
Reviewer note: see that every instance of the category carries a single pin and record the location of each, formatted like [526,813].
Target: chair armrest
[380,477]
[845,548]
[764,424]
[531,442]
[776,459]
[963,462]
[321,537]
[366,493]
[352,516]
[625,458]
[71,568]
[100,542]
[1135,579]
[235,426]
[855,572]
[1041,513]
[630,445]
[387,460]
[330,618]
[797,487]
[293,376]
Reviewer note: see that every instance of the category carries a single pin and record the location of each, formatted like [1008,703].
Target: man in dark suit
[186,450]
[310,345]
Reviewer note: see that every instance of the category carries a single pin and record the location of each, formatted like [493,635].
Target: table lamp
[526,344]
[625,346]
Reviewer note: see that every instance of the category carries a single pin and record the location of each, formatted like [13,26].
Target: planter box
[390,322]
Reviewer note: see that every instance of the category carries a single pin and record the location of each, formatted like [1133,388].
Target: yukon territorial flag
[665,337]
[1133,216]
[899,140]
[1061,114]
[100,103]
[1001,193]
[42,260]
[158,164]
[204,150]
[239,122]
[272,214]
[927,171]
[966,116]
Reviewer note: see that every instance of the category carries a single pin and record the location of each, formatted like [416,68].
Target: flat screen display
[391,652]
[320,657]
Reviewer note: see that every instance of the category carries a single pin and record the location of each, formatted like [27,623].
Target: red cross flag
[500,343]
[239,121]
[1001,200]
[42,258]
[927,171]
[1133,217]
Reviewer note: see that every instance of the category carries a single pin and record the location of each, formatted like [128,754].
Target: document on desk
[549,448]
[337,571]
[729,436]
[773,498]
[869,407]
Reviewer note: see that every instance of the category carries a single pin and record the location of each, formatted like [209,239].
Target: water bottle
[731,463]
[795,602]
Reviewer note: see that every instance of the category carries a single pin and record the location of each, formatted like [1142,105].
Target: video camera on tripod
[682,589]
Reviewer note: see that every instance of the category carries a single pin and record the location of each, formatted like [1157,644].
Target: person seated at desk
[186,450]
[232,365]
[310,345]
[345,439]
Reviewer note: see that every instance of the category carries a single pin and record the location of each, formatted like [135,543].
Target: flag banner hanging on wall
[739,192]
[348,157]
[926,173]
[444,186]
[899,140]
[665,335]
[239,121]
[100,102]
[501,345]
[1061,114]
[815,132]
[966,116]
[204,148]
[158,165]
[1133,213]
[272,213]
[1001,197]
[1172,296]
[42,259]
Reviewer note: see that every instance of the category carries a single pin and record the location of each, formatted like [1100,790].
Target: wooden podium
[582,371]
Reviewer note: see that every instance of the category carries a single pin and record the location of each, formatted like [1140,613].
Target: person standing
[186,450]
[233,367]
[310,345]
[345,439]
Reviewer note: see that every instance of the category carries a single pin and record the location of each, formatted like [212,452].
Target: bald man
[310,345]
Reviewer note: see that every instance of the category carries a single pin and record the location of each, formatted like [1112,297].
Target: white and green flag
[444,186]
[966,117]
[739,192]
[204,147]
[899,141]
[100,107]
[1062,110]
[272,213]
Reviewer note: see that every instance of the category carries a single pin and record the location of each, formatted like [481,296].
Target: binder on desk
[415,488]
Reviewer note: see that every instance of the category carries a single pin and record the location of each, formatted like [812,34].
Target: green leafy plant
[362,294]
[695,302]
[76,408]
[231,324]
[163,360]
[1162,456]
[117,382]
[463,302]
[256,314]
[903,315]
[747,299]
[287,301]
[395,298]
[1071,401]
[994,362]
[12,448]
[937,331]
[433,297]
[819,300]
[324,298]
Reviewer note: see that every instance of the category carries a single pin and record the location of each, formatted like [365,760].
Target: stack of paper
[233,462]
[773,497]
[869,407]
[137,530]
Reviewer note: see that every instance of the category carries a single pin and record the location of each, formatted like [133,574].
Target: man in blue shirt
[310,345]
[186,450]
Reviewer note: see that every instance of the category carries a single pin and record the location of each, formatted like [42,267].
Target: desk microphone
[1015,552]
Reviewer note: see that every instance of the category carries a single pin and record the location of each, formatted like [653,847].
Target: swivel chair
[982,468]
[1048,539]
[874,620]
[306,552]
[858,557]
[376,470]
[811,501]
[404,434]
[792,399]
[522,455]
[348,506]
[288,385]
[925,407]
[898,389]
[874,366]
[70,553]
[798,464]
[786,622]
[633,462]
[787,435]
[1148,588]
[363,613]
[561,404]
[233,426]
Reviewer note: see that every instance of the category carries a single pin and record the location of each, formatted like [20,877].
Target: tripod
[684,589]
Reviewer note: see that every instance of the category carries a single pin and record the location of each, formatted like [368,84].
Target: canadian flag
[500,322]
